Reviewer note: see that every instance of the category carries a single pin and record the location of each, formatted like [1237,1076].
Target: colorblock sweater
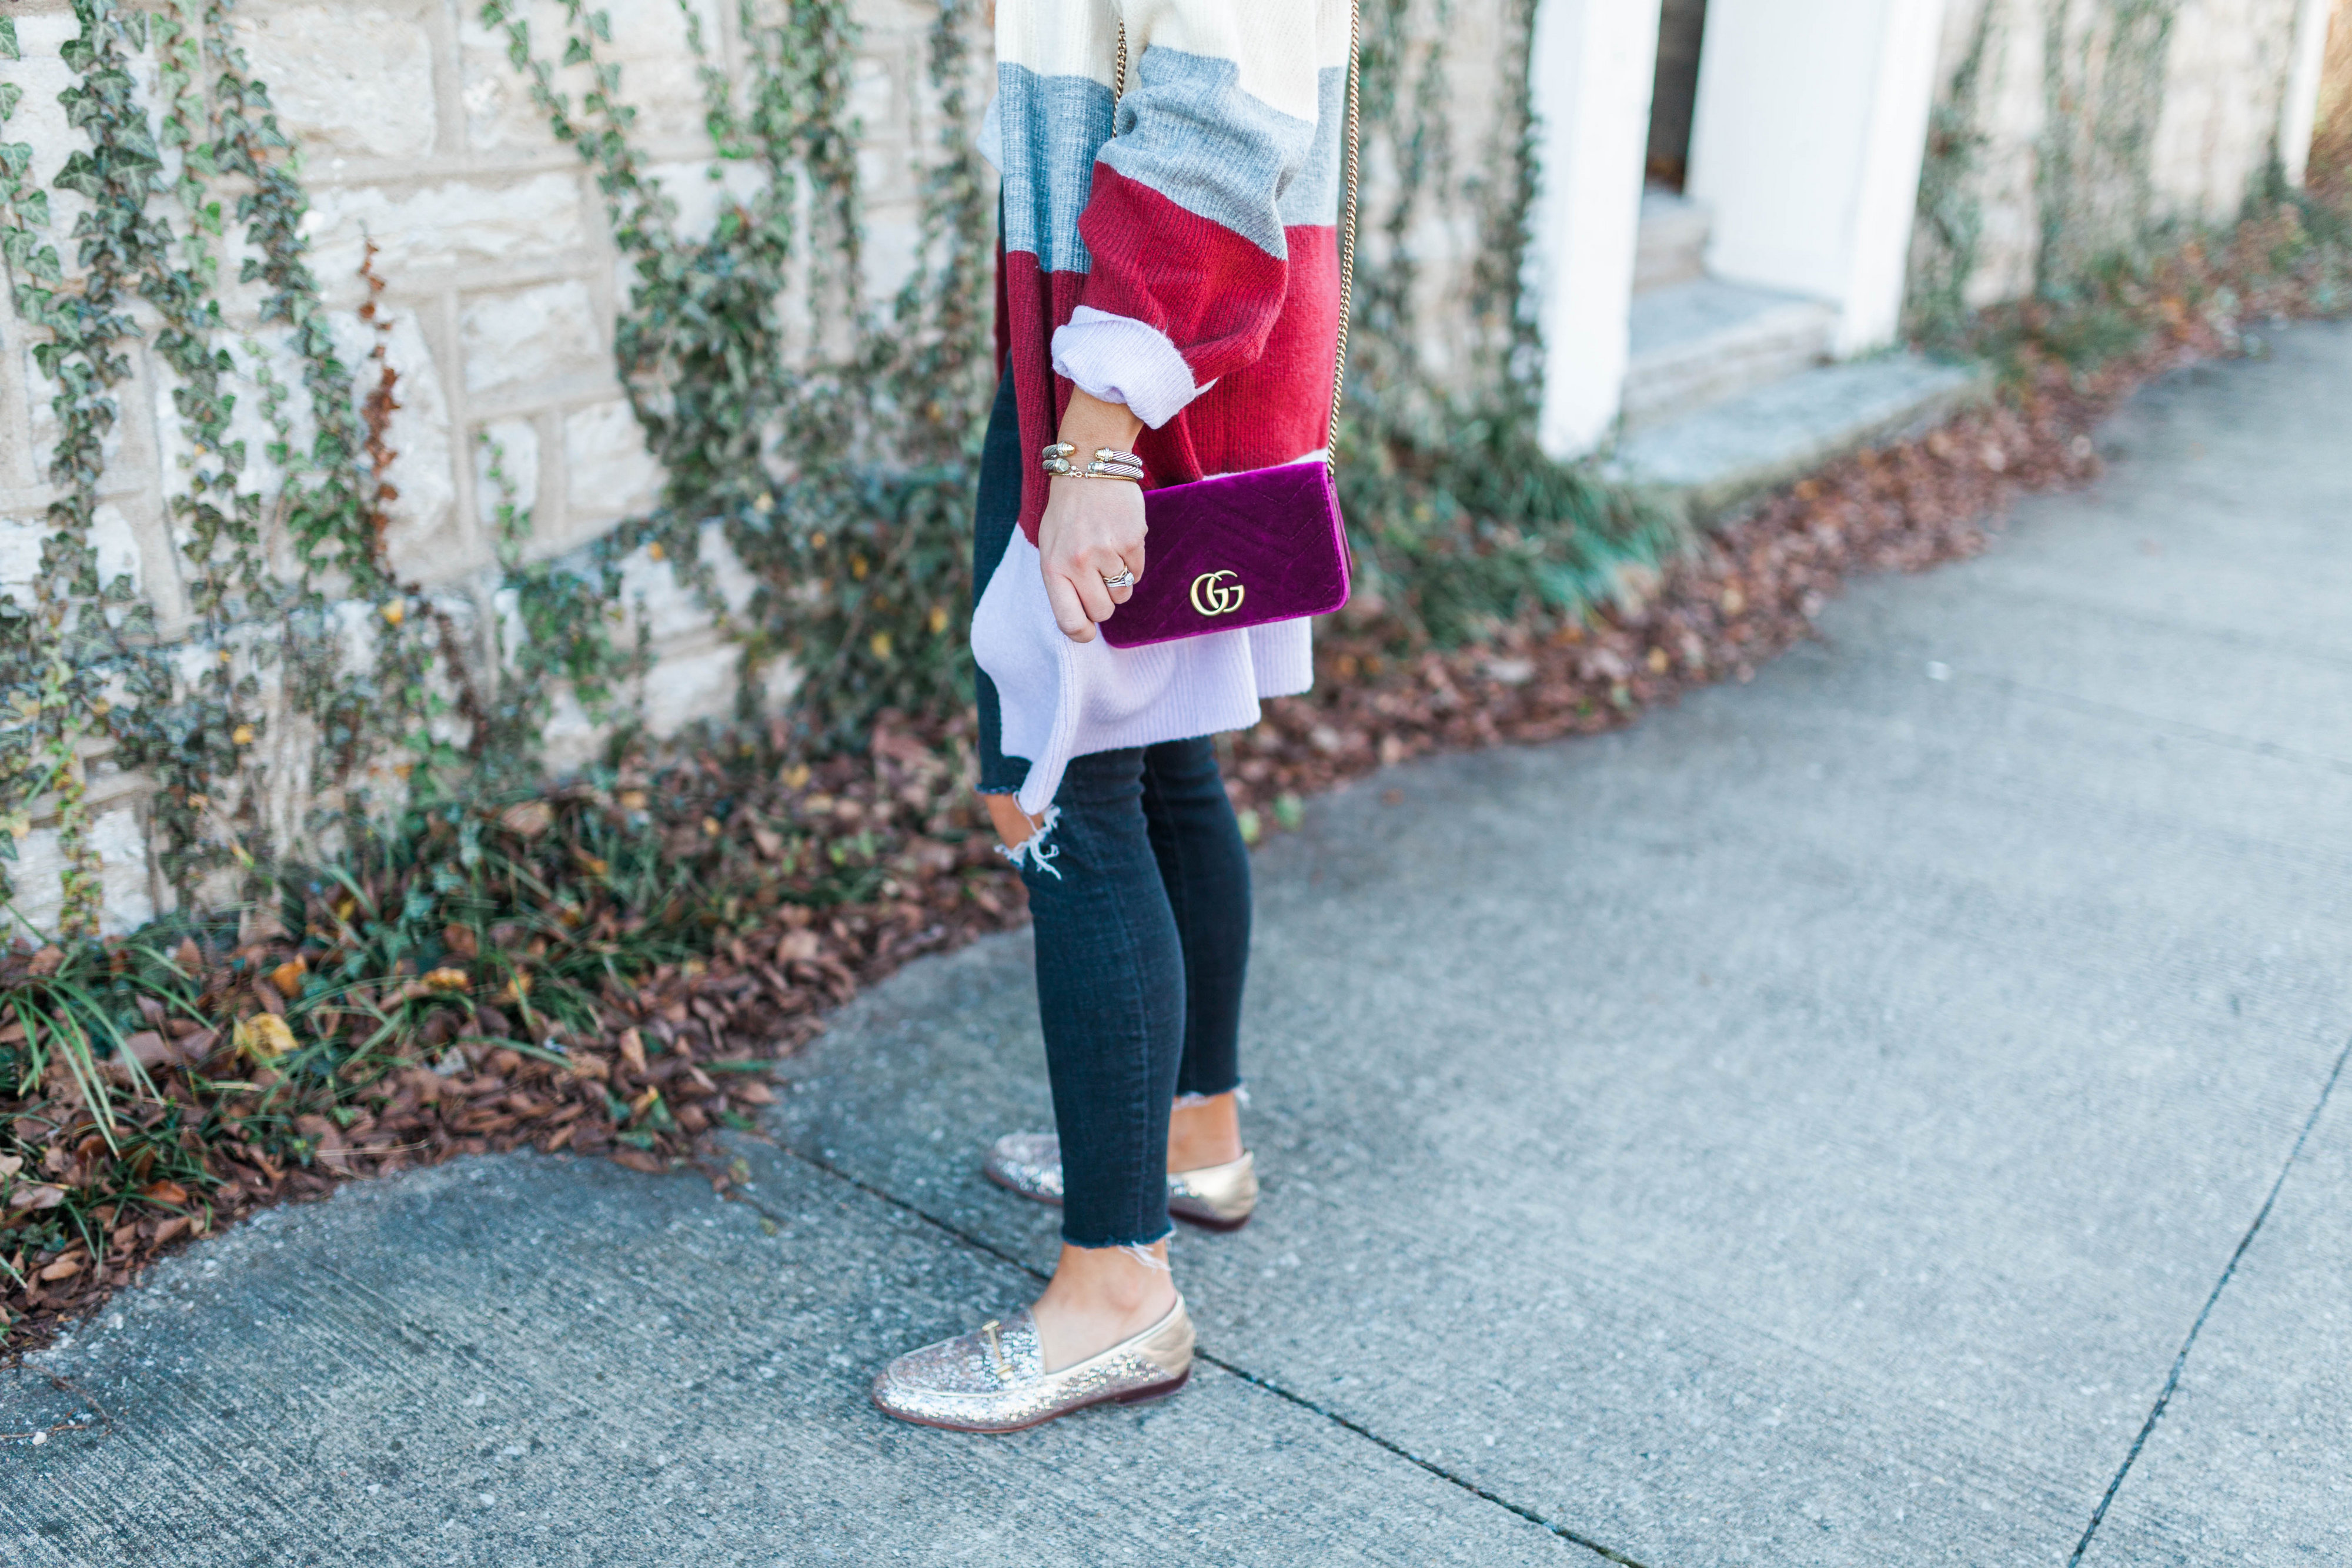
[1175,249]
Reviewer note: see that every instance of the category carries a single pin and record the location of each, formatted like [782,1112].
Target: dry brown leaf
[65,1267]
[529,819]
[264,1037]
[633,1049]
[147,1047]
[288,977]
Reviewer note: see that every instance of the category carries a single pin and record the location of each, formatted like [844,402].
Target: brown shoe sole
[1143,1396]
[1201,1221]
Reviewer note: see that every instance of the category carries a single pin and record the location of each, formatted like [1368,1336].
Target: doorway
[1674,91]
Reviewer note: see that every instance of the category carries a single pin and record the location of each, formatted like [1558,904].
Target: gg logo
[1212,595]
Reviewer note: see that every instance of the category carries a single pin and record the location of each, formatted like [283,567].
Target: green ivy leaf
[82,174]
[8,39]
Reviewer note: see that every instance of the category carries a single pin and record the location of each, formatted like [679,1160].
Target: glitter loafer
[993,1379]
[1215,1198]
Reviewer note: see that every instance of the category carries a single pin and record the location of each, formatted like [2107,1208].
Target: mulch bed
[681,1054]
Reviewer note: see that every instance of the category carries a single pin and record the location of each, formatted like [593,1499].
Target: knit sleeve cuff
[1121,359]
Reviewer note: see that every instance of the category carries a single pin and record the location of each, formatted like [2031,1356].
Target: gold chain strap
[1347,234]
[1347,240]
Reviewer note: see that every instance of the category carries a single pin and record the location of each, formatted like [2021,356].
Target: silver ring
[1125,578]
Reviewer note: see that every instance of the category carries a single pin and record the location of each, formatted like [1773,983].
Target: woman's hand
[1093,528]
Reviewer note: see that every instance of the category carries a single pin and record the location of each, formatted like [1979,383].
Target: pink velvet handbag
[1247,549]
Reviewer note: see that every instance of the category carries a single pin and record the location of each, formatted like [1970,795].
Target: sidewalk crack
[1253,1379]
[2229,1272]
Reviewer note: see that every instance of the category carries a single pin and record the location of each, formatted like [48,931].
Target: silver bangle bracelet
[1110,462]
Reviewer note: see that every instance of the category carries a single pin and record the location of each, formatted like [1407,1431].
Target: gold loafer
[1215,1198]
[993,1379]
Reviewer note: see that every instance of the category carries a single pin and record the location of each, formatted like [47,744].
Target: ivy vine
[75,651]
[81,664]
[837,461]
[2103,87]
[1950,226]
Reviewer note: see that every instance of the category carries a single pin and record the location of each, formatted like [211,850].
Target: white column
[1811,125]
[1590,78]
[2299,113]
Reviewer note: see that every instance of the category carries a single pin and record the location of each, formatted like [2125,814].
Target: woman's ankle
[1205,1131]
[1100,1296]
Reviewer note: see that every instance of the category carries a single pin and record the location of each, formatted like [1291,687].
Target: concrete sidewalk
[1809,1128]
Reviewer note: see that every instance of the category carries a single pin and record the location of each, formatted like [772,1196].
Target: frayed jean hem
[1140,1250]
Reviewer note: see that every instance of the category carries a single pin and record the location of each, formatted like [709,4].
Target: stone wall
[501,290]
[2331,144]
[1444,118]
[503,287]
[2088,124]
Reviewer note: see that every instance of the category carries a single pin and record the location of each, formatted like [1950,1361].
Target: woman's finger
[1092,593]
[1108,562]
[1120,595]
[1069,612]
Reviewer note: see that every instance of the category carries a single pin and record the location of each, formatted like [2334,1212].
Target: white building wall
[1590,83]
[1812,117]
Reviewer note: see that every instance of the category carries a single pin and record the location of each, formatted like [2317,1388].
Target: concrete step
[1712,460]
[1673,245]
[1707,342]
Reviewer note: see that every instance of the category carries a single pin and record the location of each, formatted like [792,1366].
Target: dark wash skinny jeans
[1143,924]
